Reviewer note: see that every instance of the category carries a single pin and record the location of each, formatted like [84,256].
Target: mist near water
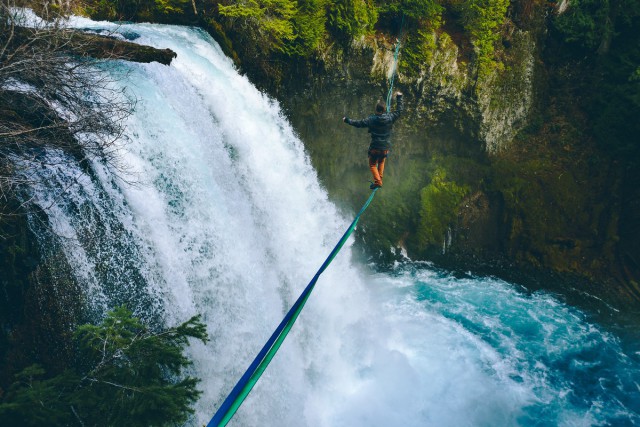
[225,217]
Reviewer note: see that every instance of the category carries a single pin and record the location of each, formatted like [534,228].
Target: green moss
[439,207]
[309,27]
[482,20]
[418,50]
[545,214]
[217,32]
[272,19]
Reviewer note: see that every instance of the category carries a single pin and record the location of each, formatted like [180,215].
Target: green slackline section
[393,74]
[260,363]
[395,66]
[269,350]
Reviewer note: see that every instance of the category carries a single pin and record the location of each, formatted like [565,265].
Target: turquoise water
[572,371]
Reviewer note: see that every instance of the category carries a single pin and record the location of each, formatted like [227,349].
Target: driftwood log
[83,44]
[104,47]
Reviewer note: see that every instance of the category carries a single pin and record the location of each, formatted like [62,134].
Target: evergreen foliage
[126,375]
[350,19]
[309,27]
[172,6]
[586,23]
[272,20]
[34,401]
[413,10]
[101,9]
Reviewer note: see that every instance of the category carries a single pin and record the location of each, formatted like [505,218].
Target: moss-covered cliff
[503,169]
[517,146]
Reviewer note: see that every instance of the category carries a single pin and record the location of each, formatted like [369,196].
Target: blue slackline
[260,363]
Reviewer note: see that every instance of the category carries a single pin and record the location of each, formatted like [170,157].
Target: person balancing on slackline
[379,125]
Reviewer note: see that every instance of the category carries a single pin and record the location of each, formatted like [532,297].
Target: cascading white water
[227,219]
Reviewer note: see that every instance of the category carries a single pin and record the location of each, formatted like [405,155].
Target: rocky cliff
[494,172]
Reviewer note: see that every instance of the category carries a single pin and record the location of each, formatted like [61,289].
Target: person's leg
[381,163]
[373,165]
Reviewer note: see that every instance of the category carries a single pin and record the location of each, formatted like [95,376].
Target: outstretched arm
[357,123]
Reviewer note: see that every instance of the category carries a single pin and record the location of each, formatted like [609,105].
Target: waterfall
[226,218]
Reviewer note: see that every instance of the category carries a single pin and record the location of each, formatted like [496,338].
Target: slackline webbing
[260,363]
[395,66]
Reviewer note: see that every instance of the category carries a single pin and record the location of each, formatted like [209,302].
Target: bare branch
[52,97]
[58,95]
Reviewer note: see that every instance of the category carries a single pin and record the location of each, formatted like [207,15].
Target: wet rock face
[446,117]
[505,101]
[522,205]
[491,110]
[448,111]
[40,302]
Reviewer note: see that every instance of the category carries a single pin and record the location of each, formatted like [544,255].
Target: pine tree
[126,375]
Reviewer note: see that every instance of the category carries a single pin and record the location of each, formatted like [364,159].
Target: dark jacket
[379,125]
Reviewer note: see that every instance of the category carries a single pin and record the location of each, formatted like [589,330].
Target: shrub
[585,23]
[309,27]
[349,19]
[270,20]
[126,375]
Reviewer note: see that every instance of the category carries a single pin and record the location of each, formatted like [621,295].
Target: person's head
[381,107]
